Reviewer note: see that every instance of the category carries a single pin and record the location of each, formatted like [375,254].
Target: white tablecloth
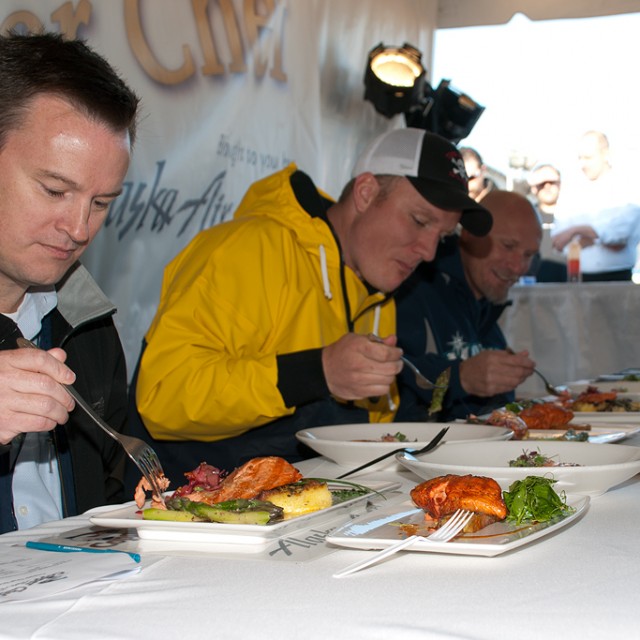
[579,583]
[574,331]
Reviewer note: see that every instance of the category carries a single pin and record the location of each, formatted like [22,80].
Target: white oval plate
[602,466]
[340,442]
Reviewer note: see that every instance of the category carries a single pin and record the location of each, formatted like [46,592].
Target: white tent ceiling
[467,13]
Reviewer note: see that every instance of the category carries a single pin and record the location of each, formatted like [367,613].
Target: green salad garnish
[531,459]
[535,500]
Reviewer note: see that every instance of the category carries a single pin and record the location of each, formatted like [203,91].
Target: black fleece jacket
[91,463]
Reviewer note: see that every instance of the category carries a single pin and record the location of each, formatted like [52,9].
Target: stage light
[445,111]
[395,83]
[394,78]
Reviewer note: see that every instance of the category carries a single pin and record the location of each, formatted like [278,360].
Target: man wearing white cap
[264,322]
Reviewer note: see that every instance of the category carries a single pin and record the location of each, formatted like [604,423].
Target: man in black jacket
[67,123]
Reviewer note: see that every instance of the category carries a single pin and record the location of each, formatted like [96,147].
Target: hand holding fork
[142,455]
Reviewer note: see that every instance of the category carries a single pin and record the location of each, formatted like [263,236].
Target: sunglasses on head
[542,185]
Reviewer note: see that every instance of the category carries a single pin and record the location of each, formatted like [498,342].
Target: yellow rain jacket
[266,284]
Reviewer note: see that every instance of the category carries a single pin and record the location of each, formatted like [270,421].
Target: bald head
[493,263]
[509,204]
[593,154]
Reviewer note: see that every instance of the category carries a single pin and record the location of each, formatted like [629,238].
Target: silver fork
[421,380]
[553,390]
[451,529]
[142,455]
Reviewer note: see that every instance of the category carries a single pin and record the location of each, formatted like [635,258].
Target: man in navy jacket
[448,314]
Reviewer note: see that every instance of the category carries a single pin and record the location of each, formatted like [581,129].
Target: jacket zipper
[54,451]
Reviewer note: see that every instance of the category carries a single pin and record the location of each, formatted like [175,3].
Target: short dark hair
[46,63]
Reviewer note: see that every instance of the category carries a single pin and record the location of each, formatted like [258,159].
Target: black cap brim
[475,218]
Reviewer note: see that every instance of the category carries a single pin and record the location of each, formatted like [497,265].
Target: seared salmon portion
[546,416]
[250,479]
[442,496]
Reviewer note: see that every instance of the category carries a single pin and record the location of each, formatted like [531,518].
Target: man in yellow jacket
[264,324]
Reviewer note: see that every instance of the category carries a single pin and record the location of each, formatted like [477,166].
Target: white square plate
[383,529]
[631,387]
[253,535]
[601,432]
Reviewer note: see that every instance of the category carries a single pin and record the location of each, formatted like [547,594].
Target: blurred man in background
[544,184]
[479,181]
[601,211]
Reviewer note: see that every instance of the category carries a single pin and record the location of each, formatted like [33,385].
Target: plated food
[246,510]
[442,496]
[594,399]
[571,418]
[351,445]
[262,491]
[624,387]
[535,458]
[502,520]
[530,500]
[600,467]
[233,538]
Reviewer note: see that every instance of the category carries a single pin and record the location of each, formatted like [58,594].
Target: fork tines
[456,523]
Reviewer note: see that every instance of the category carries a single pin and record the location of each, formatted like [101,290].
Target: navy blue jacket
[91,463]
[441,323]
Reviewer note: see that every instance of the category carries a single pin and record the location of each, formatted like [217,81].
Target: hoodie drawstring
[325,273]
[376,332]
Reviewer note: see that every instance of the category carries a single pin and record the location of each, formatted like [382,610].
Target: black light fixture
[394,78]
[395,83]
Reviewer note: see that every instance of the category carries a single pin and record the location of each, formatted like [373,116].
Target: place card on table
[27,573]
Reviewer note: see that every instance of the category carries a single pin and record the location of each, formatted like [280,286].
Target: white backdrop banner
[232,90]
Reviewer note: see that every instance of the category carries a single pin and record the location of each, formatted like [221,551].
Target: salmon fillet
[546,416]
[444,495]
[250,479]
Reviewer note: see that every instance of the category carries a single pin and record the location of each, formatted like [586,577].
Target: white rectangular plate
[600,417]
[606,383]
[382,530]
[599,433]
[631,387]
[130,517]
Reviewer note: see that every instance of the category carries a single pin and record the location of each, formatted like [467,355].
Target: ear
[478,247]
[365,191]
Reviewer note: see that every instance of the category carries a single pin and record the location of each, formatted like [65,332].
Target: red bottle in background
[573,261]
